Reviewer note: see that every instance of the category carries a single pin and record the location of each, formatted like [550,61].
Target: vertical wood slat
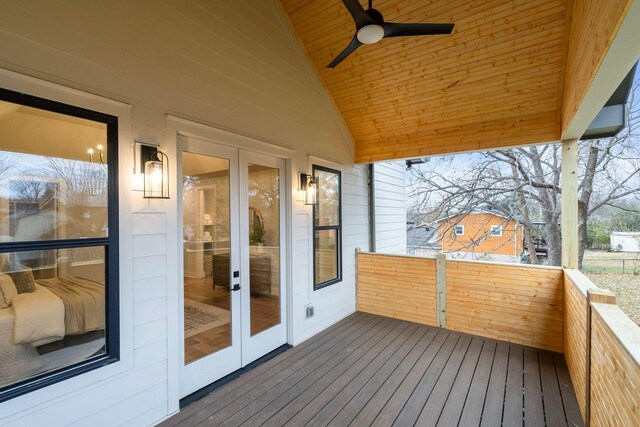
[441,290]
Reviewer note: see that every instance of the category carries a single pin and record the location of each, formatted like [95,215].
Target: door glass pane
[206,236]
[264,247]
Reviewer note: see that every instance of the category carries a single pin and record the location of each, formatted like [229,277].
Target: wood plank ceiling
[496,81]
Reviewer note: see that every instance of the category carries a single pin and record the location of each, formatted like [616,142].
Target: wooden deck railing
[515,303]
[543,307]
[602,350]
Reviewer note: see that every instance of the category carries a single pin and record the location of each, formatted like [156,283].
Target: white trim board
[621,56]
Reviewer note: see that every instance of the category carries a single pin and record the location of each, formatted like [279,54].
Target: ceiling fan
[371,28]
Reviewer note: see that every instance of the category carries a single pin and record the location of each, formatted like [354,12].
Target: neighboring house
[480,232]
[422,235]
[422,239]
[625,241]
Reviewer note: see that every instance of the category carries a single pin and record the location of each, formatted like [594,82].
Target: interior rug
[200,317]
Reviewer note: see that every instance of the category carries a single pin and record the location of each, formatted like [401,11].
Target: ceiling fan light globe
[370,34]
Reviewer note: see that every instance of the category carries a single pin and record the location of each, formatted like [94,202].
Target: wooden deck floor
[372,370]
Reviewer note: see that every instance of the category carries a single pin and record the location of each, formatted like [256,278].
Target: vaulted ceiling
[495,81]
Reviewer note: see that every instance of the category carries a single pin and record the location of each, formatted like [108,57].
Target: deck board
[533,407]
[372,370]
[474,404]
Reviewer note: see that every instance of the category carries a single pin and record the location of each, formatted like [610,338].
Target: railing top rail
[626,332]
[449,260]
[581,282]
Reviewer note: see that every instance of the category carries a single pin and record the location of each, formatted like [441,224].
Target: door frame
[263,338]
[229,359]
[178,126]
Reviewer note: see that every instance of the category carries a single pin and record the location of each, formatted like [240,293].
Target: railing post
[570,203]
[357,302]
[441,290]
[598,296]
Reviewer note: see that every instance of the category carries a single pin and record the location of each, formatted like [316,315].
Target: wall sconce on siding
[309,186]
[155,166]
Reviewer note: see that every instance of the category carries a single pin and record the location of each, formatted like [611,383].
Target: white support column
[570,203]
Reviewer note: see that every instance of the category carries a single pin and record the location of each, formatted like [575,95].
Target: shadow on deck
[373,370]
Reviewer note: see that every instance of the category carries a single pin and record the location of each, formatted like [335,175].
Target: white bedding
[39,317]
[20,361]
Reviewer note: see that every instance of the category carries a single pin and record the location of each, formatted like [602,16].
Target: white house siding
[232,65]
[336,301]
[391,207]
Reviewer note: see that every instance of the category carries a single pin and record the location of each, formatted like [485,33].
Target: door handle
[236,287]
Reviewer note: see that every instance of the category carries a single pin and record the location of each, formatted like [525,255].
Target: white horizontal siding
[338,300]
[234,65]
[390,204]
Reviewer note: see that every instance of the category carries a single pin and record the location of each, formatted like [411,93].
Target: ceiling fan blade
[357,12]
[398,30]
[346,52]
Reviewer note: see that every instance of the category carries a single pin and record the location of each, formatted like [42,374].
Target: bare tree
[32,189]
[525,183]
[7,162]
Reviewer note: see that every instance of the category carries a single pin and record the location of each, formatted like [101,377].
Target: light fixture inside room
[309,186]
[155,165]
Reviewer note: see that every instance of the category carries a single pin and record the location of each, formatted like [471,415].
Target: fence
[624,266]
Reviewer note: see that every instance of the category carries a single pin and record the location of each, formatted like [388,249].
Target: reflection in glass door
[264,247]
[232,229]
[206,236]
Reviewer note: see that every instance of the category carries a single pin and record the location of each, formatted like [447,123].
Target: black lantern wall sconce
[309,186]
[154,164]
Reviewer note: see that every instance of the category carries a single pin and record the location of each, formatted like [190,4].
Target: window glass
[459,230]
[328,198]
[55,242]
[326,255]
[327,227]
[53,175]
[54,311]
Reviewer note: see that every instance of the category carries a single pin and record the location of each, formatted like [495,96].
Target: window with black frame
[327,228]
[58,242]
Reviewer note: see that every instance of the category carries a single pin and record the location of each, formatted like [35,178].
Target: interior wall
[234,65]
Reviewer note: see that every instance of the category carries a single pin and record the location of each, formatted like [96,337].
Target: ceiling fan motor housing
[371,33]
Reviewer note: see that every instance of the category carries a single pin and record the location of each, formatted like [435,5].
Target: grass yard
[626,287]
[611,262]
[605,269]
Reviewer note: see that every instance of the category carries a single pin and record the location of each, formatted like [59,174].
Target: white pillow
[8,290]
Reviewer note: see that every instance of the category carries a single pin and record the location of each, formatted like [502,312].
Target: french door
[233,227]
